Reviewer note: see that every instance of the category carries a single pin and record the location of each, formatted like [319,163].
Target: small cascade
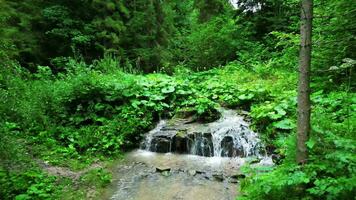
[150,135]
[229,136]
[233,138]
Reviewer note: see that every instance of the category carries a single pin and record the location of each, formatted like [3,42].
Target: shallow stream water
[197,161]
[145,175]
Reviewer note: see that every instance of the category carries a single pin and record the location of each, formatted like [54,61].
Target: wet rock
[233,180]
[238,176]
[166,173]
[168,128]
[207,176]
[160,145]
[232,137]
[201,144]
[163,169]
[162,141]
[180,142]
[228,148]
[270,149]
[218,177]
[192,172]
[185,113]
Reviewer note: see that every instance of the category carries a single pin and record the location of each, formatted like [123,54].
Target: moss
[181,133]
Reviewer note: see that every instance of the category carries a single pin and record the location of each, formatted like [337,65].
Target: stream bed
[185,160]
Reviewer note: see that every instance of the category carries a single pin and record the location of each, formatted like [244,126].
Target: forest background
[81,81]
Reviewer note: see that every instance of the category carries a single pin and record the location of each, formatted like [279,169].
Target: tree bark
[303,126]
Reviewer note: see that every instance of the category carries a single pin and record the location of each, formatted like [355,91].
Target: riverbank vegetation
[82,81]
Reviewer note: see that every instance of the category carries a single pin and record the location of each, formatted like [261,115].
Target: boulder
[161,145]
[180,142]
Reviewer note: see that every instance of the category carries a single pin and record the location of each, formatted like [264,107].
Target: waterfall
[229,136]
[149,136]
[232,128]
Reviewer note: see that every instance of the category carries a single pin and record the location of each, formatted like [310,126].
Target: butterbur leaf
[285,124]
[168,89]
[246,96]
[274,115]
[157,97]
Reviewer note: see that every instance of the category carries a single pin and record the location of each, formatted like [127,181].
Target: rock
[238,176]
[199,172]
[180,136]
[192,172]
[218,177]
[233,180]
[228,148]
[201,144]
[180,142]
[162,141]
[185,113]
[207,176]
[166,173]
[163,169]
[270,149]
[160,145]
[168,128]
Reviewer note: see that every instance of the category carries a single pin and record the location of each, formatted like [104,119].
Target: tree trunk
[303,127]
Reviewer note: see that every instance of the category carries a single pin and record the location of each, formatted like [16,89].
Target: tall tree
[303,128]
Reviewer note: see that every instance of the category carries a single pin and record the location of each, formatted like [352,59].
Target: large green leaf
[168,89]
[246,96]
[285,124]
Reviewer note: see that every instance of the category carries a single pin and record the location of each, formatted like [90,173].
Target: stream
[182,159]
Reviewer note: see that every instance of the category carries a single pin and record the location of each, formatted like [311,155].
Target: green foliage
[333,34]
[213,43]
[31,184]
[71,89]
[330,171]
[98,177]
[330,174]
[269,116]
[19,176]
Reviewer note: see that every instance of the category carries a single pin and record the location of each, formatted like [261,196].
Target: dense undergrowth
[96,113]
[111,69]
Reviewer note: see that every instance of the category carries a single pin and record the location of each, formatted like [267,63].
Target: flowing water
[185,160]
[229,136]
[233,126]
